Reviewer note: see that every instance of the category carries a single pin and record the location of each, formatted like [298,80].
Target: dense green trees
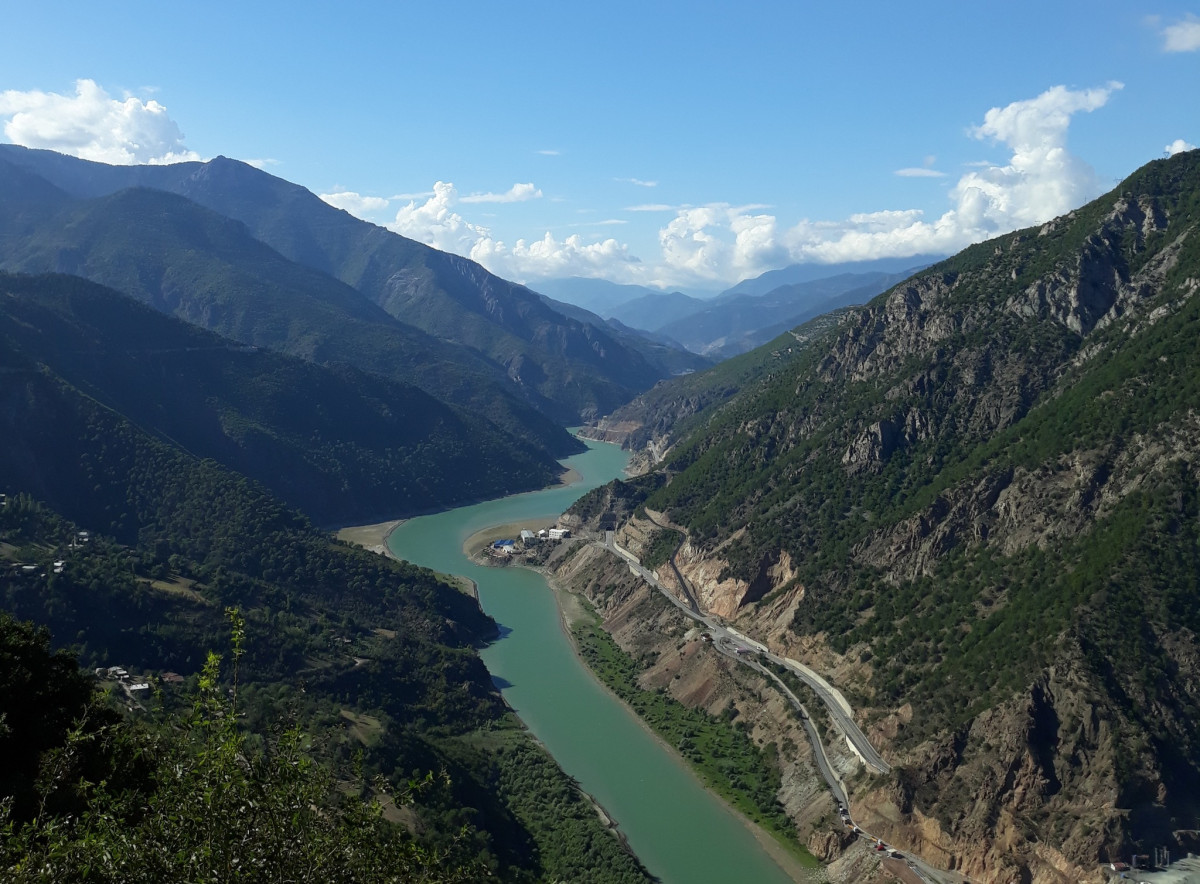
[188,799]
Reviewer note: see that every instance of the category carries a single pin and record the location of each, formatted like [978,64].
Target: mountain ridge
[566,368]
[975,505]
[340,444]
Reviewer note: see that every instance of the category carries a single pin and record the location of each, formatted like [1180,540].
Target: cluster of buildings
[134,687]
[528,539]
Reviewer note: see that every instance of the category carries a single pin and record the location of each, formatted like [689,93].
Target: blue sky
[674,144]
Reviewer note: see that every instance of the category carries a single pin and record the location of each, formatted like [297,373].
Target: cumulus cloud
[637,182]
[355,203]
[1178,146]
[1182,36]
[1040,180]
[436,223]
[93,125]
[518,193]
[550,257]
[721,243]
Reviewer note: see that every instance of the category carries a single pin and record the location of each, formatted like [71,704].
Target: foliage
[718,749]
[370,660]
[660,547]
[214,808]
[335,441]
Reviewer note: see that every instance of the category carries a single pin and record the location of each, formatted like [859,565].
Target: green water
[682,833]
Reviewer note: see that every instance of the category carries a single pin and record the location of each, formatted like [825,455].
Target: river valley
[680,831]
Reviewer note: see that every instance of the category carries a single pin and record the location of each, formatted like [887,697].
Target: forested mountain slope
[341,444]
[569,369]
[186,260]
[370,662]
[976,504]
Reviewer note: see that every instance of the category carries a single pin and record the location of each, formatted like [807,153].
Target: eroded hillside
[975,507]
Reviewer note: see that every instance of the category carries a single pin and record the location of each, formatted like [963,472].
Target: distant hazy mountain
[566,368]
[807,272]
[657,309]
[597,295]
[662,350]
[735,323]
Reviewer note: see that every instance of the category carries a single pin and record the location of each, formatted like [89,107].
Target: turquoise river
[682,832]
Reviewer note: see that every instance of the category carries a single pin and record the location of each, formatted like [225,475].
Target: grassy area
[717,748]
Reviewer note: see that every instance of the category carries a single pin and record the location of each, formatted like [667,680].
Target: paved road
[839,709]
[745,650]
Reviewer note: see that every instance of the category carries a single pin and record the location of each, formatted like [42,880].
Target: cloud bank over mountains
[720,243]
[697,245]
[93,125]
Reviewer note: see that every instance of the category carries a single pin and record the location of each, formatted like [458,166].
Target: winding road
[747,651]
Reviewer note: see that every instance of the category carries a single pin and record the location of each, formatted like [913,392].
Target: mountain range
[323,284]
[974,503]
[335,441]
[744,316]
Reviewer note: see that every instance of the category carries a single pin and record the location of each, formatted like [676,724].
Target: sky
[675,145]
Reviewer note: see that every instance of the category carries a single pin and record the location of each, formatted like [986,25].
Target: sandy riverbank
[372,537]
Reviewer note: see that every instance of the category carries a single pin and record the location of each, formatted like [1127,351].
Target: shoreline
[572,607]
[487,536]
[370,537]
[374,536]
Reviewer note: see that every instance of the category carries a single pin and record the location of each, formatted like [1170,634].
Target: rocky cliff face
[677,660]
[976,508]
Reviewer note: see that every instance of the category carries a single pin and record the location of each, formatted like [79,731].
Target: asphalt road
[839,709]
[745,650]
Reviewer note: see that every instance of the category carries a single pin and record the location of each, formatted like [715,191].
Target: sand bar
[372,537]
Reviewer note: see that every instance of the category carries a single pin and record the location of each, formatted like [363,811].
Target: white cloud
[1178,146]
[94,126]
[355,203]
[925,170]
[549,257]
[435,223]
[1040,180]
[1182,36]
[636,181]
[518,193]
[721,243]
[550,153]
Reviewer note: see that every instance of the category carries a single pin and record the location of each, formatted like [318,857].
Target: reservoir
[681,832]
